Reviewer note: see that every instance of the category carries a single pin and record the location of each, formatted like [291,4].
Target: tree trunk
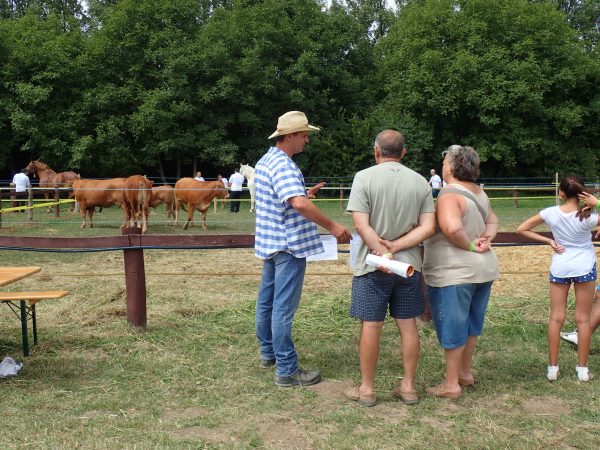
[161,170]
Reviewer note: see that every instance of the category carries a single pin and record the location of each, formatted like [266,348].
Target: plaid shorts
[373,292]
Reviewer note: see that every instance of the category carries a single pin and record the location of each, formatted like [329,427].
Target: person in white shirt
[22,183]
[198,176]
[573,261]
[236,181]
[435,182]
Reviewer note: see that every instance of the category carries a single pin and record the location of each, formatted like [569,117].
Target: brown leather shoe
[362,399]
[440,391]
[407,397]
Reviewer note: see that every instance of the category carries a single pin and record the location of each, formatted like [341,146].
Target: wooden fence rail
[133,243]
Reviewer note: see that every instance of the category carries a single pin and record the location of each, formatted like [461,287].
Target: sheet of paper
[331,253]
[354,246]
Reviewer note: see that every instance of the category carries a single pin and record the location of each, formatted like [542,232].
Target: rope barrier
[40,205]
[198,247]
[232,274]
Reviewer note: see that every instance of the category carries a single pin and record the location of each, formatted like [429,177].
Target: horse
[49,179]
[248,172]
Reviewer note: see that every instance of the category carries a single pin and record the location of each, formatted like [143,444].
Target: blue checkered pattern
[279,227]
[375,292]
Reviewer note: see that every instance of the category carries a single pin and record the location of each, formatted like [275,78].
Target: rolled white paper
[398,267]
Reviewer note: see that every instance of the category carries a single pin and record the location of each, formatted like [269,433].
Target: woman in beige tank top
[459,267]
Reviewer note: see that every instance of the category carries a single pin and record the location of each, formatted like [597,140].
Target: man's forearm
[413,238]
[424,229]
[311,212]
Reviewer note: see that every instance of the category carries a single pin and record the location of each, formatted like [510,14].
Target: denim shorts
[374,292]
[591,276]
[458,311]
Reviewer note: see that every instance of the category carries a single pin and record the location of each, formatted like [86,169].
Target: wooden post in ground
[30,203]
[0,207]
[341,199]
[75,204]
[13,194]
[135,281]
[556,188]
[515,201]
[57,200]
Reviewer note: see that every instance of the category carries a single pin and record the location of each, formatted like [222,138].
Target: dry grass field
[192,379]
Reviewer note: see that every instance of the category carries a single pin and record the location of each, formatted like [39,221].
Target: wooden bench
[26,309]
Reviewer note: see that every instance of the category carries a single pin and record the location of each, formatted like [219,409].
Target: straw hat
[292,122]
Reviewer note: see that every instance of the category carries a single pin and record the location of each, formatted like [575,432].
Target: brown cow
[197,195]
[102,193]
[164,194]
[137,194]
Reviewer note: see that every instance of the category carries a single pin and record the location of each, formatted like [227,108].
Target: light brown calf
[92,193]
[197,195]
[137,194]
[164,194]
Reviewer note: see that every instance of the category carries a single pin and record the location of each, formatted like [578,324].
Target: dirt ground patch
[207,435]
[545,406]
[282,432]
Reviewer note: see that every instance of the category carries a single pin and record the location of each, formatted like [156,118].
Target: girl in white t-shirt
[573,261]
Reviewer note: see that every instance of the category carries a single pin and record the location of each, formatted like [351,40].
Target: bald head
[390,144]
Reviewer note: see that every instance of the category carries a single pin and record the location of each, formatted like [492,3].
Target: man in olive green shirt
[393,211]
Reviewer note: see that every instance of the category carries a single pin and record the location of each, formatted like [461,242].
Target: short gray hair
[464,161]
[390,143]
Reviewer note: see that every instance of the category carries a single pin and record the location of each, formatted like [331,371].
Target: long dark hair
[572,186]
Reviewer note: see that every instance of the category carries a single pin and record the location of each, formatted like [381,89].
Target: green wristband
[472,246]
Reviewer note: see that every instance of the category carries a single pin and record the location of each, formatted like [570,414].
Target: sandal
[407,397]
[466,382]
[440,391]
[362,399]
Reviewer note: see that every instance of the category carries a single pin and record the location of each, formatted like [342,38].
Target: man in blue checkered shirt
[286,233]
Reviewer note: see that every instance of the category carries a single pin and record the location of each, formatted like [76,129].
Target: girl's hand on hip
[556,246]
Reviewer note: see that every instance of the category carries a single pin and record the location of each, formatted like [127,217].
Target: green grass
[193,378]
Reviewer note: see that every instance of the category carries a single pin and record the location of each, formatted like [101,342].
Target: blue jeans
[278,300]
[458,311]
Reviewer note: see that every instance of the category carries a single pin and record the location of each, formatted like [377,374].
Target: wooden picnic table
[9,275]
[26,300]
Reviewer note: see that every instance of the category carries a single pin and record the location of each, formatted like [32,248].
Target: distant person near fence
[236,181]
[22,184]
[435,182]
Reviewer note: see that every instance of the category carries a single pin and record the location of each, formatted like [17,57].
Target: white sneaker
[583,374]
[552,374]
[570,337]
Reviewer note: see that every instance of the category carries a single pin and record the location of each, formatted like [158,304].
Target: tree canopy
[162,87]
